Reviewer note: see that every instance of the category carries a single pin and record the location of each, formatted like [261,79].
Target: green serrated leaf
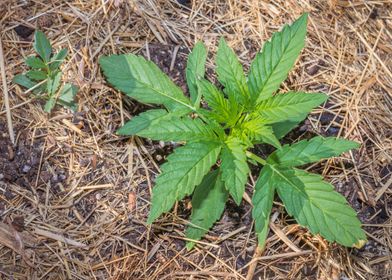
[195,70]
[268,137]
[257,131]
[67,96]
[262,203]
[162,125]
[179,129]
[49,105]
[282,107]
[315,205]
[42,45]
[143,121]
[35,62]
[54,83]
[184,170]
[234,167]
[143,81]
[56,60]
[223,111]
[282,128]
[307,151]
[231,74]
[208,203]
[24,81]
[37,75]
[270,67]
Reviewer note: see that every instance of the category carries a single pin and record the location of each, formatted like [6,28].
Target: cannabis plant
[44,78]
[219,126]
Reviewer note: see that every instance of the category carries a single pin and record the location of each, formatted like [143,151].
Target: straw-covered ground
[74,196]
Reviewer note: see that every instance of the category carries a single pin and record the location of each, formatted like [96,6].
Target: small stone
[26,168]
[161,144]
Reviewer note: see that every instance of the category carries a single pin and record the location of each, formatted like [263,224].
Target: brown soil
[82,193]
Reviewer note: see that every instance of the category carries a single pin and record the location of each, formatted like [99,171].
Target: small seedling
[213,163]
[44,78]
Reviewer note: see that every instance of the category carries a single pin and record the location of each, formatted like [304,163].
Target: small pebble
[26,168]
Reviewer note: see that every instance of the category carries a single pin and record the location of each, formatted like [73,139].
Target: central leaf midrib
[276,65]
[158,91]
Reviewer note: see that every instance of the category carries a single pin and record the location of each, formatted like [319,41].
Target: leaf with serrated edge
[36,75]
[234,167]
[56,60]
[208,203]
[49,105]
[143,121]
[195,70]
[289,105]
[24,81]
[315,205]
[67,97]
[270,67]
[308,151]
[159,124]
[42,45]
[231,74]
[54,83]
[282,128]
[223,110]
[257,131]
[262,203]
[179,129]
[269,137]
[184,170]
[143,81]
[35,62]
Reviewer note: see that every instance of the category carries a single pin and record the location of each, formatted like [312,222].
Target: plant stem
[255,158]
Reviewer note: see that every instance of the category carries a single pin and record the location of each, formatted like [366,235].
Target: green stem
[255,158]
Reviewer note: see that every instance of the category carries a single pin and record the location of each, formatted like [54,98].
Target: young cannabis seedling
[213,163]
[44,78]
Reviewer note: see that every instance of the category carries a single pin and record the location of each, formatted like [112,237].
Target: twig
[6,99]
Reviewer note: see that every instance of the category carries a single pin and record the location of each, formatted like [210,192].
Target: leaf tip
[190,245]
[150,219]
[360,243]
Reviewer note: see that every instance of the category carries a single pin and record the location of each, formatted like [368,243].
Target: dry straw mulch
[74,197]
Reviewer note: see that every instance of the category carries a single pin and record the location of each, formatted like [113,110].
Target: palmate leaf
[307,151]
[270,67]
[184,170]
[231,74]
[282,107]
[208,203]
[234,167]
[262,203]
[195,69]
[143,81]
[315,205]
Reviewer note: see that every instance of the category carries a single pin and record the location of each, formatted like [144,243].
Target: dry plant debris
[82,193]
